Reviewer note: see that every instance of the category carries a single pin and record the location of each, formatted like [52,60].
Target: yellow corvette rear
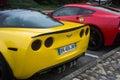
[31,50]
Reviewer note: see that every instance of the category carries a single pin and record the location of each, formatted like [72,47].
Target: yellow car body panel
[25,62]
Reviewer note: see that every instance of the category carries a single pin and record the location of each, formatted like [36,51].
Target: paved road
[89,57]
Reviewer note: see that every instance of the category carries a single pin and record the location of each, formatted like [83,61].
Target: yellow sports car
[31,42]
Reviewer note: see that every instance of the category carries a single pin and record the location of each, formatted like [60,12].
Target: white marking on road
[117,52]
[91,55]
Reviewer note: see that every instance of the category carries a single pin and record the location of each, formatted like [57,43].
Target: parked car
[103,21]
[33,42]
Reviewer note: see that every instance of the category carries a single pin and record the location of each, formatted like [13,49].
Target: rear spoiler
[57,32]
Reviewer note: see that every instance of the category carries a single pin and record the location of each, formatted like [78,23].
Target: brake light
[36,45]
[48,42]
[82,33]
[87,31]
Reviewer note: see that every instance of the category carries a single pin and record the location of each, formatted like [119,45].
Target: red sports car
[104,22]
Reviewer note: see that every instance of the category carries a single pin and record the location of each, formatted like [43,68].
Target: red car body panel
[108,23]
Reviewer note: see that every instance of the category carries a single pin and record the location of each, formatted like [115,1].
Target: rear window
[106,9]
[30,19]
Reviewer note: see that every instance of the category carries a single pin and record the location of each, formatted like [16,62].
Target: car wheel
[96,39]
[4,70]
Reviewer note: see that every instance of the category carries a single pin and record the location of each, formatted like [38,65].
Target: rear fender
[5,54]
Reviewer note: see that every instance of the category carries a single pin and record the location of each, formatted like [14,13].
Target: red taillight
[36,45]
[49,42]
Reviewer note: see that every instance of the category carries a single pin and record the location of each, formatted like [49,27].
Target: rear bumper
[58,65]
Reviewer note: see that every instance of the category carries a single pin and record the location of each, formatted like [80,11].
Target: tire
[96,39]
[5,72]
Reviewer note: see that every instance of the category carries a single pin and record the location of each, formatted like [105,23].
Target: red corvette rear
[104,22]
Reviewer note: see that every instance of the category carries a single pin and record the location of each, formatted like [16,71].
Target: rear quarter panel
[107,24]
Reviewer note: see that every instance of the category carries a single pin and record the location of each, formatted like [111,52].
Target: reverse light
[36,45]
[48,42]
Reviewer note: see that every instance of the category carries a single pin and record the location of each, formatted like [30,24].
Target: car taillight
[36,45]
[48,42]
[87,31]
[82,33]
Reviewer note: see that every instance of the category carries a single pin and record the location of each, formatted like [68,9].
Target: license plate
[66,48]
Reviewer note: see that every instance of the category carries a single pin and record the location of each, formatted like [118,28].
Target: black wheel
[96,39]
[5,73]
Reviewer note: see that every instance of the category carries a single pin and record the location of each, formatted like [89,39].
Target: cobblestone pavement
[106,69]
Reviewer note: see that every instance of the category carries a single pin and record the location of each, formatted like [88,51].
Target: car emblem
[69,35]
[81,19]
